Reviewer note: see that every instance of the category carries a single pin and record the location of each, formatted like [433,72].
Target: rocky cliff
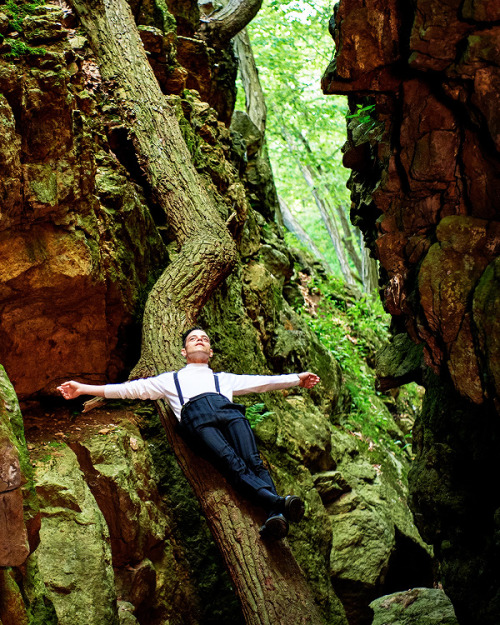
[423,81]
[114,534]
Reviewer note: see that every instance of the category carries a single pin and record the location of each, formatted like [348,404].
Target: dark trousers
[221,431]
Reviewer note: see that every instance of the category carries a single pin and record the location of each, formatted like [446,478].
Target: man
[202,402]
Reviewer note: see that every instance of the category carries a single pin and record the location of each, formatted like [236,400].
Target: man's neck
[191,361]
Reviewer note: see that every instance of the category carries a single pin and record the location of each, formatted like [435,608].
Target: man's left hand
[308,379]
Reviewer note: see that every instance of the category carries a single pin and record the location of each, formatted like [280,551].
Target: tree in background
[291,45]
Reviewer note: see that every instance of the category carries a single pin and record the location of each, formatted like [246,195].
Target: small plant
[365,116]
[353,330]
[256,413]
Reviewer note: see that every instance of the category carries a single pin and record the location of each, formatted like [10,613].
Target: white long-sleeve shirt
[195,379]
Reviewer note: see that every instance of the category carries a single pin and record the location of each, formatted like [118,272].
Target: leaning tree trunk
[255,105]
[268,581]
[254,96]
[369,272]
[317,174]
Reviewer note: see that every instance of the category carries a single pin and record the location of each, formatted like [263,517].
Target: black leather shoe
[275,527]
[294,508]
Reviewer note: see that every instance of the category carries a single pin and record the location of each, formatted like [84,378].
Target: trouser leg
[234,468]
[242,439]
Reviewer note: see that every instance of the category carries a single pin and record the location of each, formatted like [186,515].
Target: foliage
[256,413]
[292,47]
[364,115]
[353,330]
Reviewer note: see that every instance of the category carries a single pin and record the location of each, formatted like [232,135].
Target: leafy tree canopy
[292,46]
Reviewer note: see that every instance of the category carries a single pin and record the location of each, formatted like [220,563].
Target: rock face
[81,243]
[425,189]
[19,517]
[63,255]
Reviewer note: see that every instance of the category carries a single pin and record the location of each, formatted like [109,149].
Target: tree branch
[219,27]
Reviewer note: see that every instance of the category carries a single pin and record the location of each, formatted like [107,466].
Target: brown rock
[38,28]
[12,608]
[481,176]
[436,34]
[376,26]
[486,316]
[487,99]
[175,81]
[481,10]
[10,471]
[10,165]
[14,548]
[366,66]
[4,23]
[193,55]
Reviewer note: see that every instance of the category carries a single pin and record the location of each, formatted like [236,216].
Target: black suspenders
[178,386]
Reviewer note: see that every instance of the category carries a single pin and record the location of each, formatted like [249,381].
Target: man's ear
[183,352]
[211,353]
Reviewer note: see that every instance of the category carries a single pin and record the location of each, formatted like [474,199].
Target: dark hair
[188,332]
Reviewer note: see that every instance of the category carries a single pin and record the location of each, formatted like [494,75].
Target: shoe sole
[274,528]
[294,509]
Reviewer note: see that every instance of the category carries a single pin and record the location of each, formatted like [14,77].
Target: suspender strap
[178,387]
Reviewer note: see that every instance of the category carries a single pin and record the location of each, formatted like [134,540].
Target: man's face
[197,347]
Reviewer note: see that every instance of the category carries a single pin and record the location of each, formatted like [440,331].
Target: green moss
[17,10]
[19,48]
[40,609]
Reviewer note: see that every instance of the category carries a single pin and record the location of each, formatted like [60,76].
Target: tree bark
[348,238]
[369,273]
[207,251]
[256,109]
[268,581]
[222,25]
[254,96]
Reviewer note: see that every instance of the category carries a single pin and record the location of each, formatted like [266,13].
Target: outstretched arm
[244,384]
[308,379]
[72,389]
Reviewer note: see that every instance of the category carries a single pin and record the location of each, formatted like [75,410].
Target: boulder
[74,555]
[119,471]
[425,606]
